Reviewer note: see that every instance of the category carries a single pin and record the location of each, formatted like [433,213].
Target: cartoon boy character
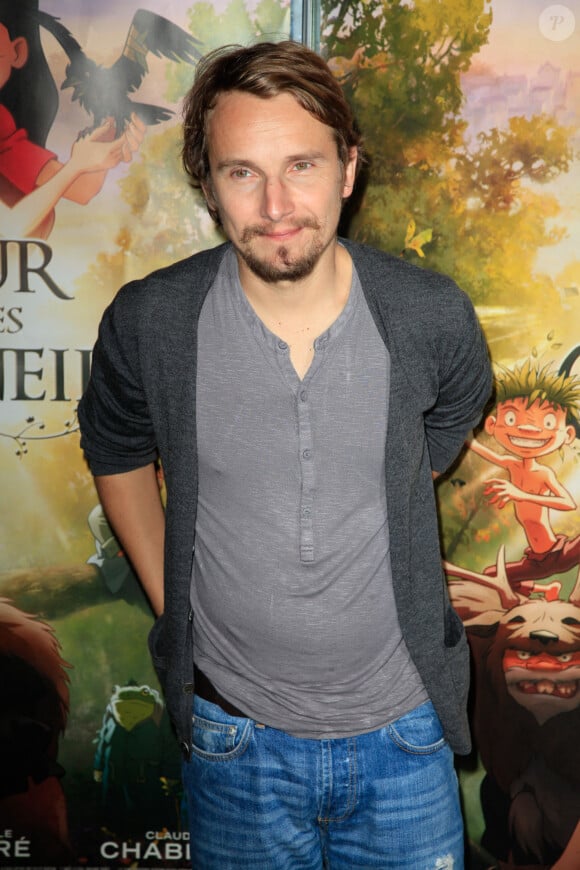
[32,179]
[534,416]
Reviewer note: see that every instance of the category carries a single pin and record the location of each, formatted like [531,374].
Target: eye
[241,172]
[550,421]
[523,654]
[510,418]
[302,165]
[565,657]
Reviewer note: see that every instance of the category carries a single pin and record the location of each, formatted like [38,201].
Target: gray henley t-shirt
[295,618]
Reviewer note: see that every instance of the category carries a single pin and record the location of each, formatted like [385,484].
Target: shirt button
[282,345]
[306,513]
[306,454]
[303,395]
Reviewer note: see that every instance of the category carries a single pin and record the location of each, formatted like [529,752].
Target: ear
[570,435]
[20,49]
[489,424]
[350,173]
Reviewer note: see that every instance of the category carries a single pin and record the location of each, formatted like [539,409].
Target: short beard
[282,267]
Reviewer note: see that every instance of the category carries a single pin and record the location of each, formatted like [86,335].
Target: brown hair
[265,70]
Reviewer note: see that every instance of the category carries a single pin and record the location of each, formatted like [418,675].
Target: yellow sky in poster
[527,38]
[525,33]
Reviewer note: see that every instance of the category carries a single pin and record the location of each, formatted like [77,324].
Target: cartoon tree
[401,65]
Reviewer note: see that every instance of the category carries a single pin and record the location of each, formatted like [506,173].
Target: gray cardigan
[140,404]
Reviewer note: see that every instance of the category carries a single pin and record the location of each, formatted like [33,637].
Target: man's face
[529,432]
[277,183]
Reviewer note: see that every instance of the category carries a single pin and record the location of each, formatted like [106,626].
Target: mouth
[528,442]
[281,235]
[278,234]
[561,689]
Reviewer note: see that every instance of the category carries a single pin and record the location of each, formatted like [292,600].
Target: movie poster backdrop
[471,115]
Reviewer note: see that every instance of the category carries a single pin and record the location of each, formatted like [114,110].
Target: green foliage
[400,63]
[537,149]
[400,66]
[119,654]
[236,24]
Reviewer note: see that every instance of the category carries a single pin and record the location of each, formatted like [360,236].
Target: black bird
[104,91]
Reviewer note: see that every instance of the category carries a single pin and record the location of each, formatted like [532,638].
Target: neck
[299,311]
[326,287]
[528,462]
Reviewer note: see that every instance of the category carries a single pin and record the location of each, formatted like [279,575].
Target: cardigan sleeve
[116,428]
[464,384]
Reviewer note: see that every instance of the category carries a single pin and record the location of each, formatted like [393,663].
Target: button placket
[306,459]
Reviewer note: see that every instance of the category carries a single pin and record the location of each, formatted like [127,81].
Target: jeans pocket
[419,732]
[221,738]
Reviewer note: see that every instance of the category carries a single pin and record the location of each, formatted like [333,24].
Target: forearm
[24,217]
[486,453]
[85,187]
[503,491]
[132,503]
[553,502]
[76,184]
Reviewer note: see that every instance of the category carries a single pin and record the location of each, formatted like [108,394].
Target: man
[300,393]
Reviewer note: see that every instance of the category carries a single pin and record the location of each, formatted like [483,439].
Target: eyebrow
[232,162]
[510,405]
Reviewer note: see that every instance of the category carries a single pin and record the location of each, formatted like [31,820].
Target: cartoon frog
[137,762]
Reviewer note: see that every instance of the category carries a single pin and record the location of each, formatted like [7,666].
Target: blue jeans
[259,799]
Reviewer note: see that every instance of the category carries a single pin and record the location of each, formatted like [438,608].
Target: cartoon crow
[104,91]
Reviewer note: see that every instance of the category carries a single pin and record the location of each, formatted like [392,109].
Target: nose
[276,200]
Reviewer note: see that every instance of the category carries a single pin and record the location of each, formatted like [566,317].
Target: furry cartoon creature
[33,714]
[526,653]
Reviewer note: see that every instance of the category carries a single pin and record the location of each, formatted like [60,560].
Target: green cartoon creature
[137,763]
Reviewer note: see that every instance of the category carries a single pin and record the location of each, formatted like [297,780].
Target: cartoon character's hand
[501,492]
[91,154]
[98,151]
[134,135]
[104,133]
